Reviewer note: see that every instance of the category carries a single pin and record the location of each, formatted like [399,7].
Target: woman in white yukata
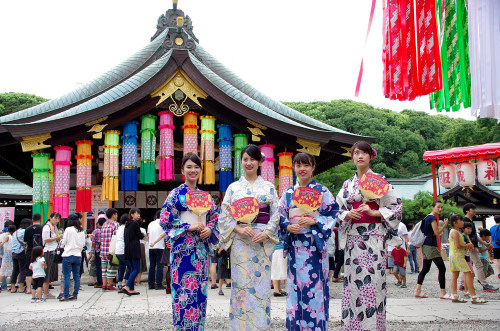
[252,246]
[363,228]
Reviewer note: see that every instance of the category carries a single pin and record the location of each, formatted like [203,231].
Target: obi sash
[263,216]
[365,218]
[191,218]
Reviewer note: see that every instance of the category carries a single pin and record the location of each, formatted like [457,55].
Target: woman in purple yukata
[363,228]
[191,241]
[305,238]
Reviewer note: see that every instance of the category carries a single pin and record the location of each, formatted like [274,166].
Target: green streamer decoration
[148,150]
[41,185]
[240,142]
[454,57]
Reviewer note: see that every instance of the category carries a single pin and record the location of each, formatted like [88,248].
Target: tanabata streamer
[410,51]
[148,150]
[190,128]
[83,175]
[244,210]
[41,186]
[51,188]
[454,57]
[129,157]
[62,165]
[225,157]
[110,172]
[285,172]
[166,167]
[207,152]
[267,168]
[373,186]
[240,142]
[484,38]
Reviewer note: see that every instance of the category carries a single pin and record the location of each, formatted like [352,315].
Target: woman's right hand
[198,226]
[355,214]
[245,231]
[294,228]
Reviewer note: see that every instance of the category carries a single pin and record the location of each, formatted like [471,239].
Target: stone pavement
[95,302]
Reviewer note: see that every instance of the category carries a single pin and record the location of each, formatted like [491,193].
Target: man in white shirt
[155,254]
[50,238]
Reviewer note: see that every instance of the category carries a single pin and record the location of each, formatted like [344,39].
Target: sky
[290,50]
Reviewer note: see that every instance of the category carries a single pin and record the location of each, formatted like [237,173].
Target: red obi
[365,218]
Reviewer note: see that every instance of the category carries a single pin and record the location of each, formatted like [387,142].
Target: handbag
[57,257]
[112,245]
[115,261]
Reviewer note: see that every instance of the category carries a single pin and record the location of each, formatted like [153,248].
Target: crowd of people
[285,251]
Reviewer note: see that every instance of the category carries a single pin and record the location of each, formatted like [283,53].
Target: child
[466,231]
[400,258]
[485,235]
[38,266]
[224,271]
[6,244]
[457,260]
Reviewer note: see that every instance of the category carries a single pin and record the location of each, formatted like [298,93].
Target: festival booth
[119,140]
[469,174]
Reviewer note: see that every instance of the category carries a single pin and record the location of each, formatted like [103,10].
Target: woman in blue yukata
[191,241]
[251,246]
[305,238]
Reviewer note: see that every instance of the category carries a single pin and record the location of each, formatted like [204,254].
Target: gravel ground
[164,322]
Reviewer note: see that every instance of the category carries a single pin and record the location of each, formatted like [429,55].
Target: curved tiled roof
[95,87]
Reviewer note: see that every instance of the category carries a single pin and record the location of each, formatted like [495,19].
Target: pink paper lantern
[447,175]
[267,169]
[487,172]
[166,168]
[61,180]
[466,174]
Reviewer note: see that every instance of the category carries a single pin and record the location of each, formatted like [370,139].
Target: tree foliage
[415,210]
[11,102]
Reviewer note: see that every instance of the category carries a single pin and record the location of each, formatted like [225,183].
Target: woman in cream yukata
[305,241]
[251,246]
[363,228]
[191,241]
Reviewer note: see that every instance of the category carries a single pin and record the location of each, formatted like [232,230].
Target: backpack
[417,236]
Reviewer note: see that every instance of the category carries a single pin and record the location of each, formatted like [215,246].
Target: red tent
[458,154]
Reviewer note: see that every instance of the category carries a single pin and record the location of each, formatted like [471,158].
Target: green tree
[415,210]
[11,102]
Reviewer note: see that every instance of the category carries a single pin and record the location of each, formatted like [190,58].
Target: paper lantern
[129,157]
[148,150]
[466,174]
[62,165]
[487,172]
[267,168]
[447,175]
[41,185]
[285,172]
[207,152]
[225,160]
[240,142]
[83,175]
[166,167]
[110,172]
[190,128]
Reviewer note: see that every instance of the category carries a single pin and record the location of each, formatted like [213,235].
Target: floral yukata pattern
[307,278]
[250,263]
[189,262]
[364,292]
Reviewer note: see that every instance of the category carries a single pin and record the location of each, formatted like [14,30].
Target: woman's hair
[123,219]
[25,222]
[454,219]
[191,157]
[496,218]
[55,215]
[36,252]
[8,223]
[133,211]
[304,158]
[74,220]
[435,202]
[363,146]
[253,151]
[12,228]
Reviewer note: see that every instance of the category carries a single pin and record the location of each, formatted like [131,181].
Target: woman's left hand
[205,233]
[306,221]
[258,238]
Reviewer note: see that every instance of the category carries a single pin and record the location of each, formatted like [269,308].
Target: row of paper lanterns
[465,173]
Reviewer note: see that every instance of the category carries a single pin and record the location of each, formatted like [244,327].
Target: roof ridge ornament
[174,4]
